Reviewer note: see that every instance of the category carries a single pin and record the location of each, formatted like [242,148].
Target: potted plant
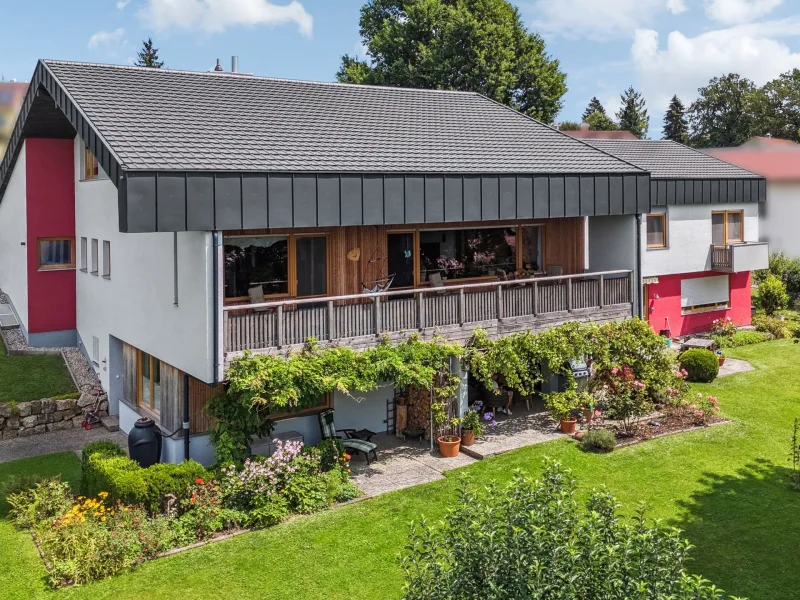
[721,357]
[561,405]
[449,442]
[471,427]
[587,404]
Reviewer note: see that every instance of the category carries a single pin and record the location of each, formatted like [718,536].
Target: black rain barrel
[144,442]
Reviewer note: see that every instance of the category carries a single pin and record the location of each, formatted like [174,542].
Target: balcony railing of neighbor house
[453,311]
[739,257]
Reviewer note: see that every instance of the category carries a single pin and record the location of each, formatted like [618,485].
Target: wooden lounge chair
[350,442]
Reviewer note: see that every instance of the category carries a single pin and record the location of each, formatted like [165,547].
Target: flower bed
[102,533]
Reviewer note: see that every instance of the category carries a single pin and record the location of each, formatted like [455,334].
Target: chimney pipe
[218,67]
[585,126]
[234,64]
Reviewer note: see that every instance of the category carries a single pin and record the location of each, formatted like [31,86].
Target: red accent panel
[668,304]
[50,182]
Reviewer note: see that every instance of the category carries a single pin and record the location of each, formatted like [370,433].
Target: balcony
[452,311]
[740,257]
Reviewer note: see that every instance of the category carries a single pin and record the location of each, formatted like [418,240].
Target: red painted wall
[668,304]
[50,182]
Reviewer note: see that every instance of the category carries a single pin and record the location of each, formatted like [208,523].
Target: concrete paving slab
[733,366]
[57,441]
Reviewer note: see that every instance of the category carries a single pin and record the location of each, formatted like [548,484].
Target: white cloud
[676,7]
[106,38]
[731,12]
[214,16]
[685,64]
[121,4]
[599,19]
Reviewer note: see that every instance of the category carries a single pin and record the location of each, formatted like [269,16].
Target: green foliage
[594,106]
[148,56]
[723,114]
[69,396]
[740,338]
[676,126]
[262,385]
[470,45]
[99,449]
[600,121]
[347,491]
[784,268]
[701,365]
[569,126]
[21,482]
[561,404]
[795,454]
[105,470]
[531,539]
[772,294]
[600,439]
[331,452]
[472,421]
[306,492]
[773,326]
[632,115]
[43,502]
[777,107]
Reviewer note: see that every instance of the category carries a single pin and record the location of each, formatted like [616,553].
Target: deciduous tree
[723,115]
[470,45]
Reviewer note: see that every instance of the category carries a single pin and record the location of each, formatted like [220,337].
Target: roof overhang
[664,192]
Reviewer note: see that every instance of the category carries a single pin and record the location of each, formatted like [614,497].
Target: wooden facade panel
[171,397]
[129,356]
[199,395]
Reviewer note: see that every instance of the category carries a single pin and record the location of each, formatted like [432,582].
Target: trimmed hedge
[742,338]
[701,365]
[600,439]
[106,468]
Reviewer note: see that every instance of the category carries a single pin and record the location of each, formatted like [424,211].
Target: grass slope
[26,378]
[725,486]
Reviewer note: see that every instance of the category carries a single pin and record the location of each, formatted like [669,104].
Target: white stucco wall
[136,303]
[689,238]
[13,232]
[612,243]
[779,217]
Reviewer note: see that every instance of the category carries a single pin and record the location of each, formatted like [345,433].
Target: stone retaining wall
[39,416]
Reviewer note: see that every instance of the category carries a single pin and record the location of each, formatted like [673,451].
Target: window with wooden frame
[91,168]
[56,253]
[264,266]
[657,230]
[727,227]
[148,384]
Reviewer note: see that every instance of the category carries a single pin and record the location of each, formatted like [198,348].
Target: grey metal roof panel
[666,159]
[160,119]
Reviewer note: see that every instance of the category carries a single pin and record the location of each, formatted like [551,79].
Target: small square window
[106,259]
[94,257]
[91,168]
[56,253]
[84,254]
[657,230]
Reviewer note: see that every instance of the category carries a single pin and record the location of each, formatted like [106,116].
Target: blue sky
[662,47]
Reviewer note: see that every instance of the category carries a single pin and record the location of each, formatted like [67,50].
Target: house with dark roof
[778,161]
[700,241]
[167,222]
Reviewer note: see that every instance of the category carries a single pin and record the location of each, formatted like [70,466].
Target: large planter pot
[449,449]
[467,437]
[721,360]
[568,425]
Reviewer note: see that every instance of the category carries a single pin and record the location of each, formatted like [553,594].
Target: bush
[106,470]
[772,295]
[99,449]
[305,490]
[45,501]
[740,338]
[701,365]
[784,268]
[532,536]
[347,491]
[778,329]
[600,439]
[331,454]
[19,483]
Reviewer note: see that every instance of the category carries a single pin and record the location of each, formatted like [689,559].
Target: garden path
[57,441]
[733,366]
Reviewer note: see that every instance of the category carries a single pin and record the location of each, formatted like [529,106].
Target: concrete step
[110,423]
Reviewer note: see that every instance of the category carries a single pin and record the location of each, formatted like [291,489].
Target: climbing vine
[263,385]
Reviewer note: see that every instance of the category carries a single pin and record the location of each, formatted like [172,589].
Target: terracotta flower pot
[588,415]
[467,437]
[721,360]
[447,448]
[568,425]
[579,435]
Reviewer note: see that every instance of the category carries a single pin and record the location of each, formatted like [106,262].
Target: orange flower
[199,481]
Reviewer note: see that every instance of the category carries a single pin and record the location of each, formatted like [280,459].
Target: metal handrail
[425,290]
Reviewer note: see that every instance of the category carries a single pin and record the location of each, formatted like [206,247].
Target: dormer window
[91,168]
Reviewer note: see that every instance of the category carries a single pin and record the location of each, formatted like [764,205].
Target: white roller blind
[705,290]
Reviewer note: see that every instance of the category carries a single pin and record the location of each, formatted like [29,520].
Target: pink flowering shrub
[622,395]
[703,408]
[260,475]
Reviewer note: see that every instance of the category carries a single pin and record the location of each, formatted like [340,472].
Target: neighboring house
[584,133]
[779,162]
[168,221]
[701,238]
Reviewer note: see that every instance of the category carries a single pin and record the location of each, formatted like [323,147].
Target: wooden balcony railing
[453,311]
[721,258]
[739,257]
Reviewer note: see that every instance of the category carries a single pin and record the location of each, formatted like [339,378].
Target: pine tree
[595,106]
[148,56]
[676,126]
[633,115]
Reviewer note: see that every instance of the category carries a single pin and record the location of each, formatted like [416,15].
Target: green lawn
[25,378]
[725,486]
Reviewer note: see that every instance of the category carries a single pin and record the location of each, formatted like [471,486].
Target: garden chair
[256,294]
[436,281]
[351,442]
